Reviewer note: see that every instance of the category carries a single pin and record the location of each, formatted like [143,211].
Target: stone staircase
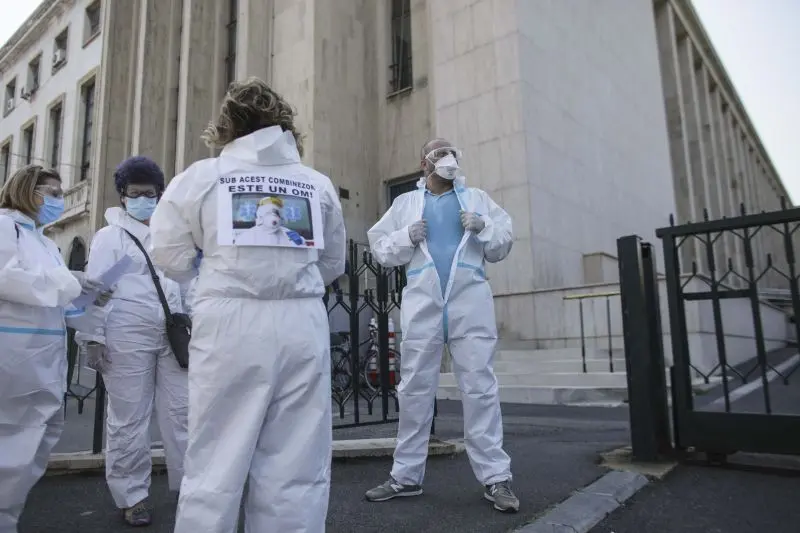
[553,377]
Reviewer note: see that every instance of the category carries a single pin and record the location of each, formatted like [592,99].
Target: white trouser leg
[32,385]
[232,382]
[289,481]
[420,362]
[172,400]
[483,421]
[130,384]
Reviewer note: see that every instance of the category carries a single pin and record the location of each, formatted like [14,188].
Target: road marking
[747,388]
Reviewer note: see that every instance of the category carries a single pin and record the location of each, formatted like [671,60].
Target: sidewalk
[700,499]
[554,452]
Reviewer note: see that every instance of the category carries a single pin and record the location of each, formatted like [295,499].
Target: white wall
[82,59]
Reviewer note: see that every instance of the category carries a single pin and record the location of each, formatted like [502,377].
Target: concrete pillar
[201,63]
[677,122]
[722,130]
[155,123]
[255,36]
[115,101]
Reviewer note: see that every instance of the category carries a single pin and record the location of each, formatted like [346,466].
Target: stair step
[544,395]
[565,379]
[533,366]
[556,354]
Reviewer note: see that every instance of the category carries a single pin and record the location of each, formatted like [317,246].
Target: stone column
[255,37]
[155,101]
[114,102]
[677,123]
[201,72]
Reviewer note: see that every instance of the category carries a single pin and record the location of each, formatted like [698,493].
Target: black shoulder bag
[179,325]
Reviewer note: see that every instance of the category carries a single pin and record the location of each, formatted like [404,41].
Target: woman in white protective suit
[259,376]
[132,352]
[444,233]
[36,291]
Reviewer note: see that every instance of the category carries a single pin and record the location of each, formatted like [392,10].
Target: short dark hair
[140,170]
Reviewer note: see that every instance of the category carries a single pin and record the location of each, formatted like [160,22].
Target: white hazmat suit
[259,376]
[463,318]
[142,372]
[36,289]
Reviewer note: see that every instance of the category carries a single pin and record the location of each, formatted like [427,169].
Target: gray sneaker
[392,489]
[503,498]
[138,515]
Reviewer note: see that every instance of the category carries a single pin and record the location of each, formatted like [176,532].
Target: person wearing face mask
[268,229]
[36,291]
[444,233]
[132,351]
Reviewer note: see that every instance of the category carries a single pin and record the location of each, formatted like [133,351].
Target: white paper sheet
[109,278]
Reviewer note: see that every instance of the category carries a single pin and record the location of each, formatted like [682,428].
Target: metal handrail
[588,296]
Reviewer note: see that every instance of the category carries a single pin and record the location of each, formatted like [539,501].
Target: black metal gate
[748,404]
[365,362]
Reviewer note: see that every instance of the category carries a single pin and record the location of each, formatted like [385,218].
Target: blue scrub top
[442,212]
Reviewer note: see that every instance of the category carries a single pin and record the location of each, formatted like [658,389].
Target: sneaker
[503,498]
[392,489]
[138,515]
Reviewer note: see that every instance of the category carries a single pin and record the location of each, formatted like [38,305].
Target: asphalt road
[698,499]
[554,451]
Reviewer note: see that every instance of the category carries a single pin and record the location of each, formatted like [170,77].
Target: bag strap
[153,274]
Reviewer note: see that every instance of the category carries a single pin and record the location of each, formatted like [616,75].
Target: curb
[81,462]
[587,507]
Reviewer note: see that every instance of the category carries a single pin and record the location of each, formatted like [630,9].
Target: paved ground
[554,452]
[697,499]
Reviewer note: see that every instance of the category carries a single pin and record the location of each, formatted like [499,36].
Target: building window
[87,105]
[34,75]
[5,162]
[60,50]
[400,68]
[401,186]
[27,144]
[10,100]
[91,22]
[230,59]
[54,155]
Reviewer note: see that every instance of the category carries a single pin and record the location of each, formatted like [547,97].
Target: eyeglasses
[139,194]
[49,190]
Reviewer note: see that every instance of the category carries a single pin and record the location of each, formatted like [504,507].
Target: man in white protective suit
[443,233]
[259,371]
[269,230]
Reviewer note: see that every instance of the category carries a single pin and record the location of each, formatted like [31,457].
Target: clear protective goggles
[437,153]
[49,190]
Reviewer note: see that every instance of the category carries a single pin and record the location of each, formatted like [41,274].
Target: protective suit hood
[117,216]
[19,218]
[268,146]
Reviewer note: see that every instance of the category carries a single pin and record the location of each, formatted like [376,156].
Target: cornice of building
[31,30]
[686,13]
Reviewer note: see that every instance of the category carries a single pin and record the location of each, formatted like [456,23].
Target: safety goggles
[139,194]
[49,190]
[438,153]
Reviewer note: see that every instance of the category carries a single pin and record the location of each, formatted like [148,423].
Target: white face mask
[447,167]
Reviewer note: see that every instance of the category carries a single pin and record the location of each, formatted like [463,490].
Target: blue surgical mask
[51,210]
[141,208]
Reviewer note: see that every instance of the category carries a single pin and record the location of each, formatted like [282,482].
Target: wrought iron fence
[726,269]
[365,361]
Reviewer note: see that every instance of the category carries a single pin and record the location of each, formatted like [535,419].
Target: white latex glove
[96,357]
[418,231]
[87,284]
[472,222]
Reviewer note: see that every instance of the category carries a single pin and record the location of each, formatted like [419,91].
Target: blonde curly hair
[274,200]
[249,106]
